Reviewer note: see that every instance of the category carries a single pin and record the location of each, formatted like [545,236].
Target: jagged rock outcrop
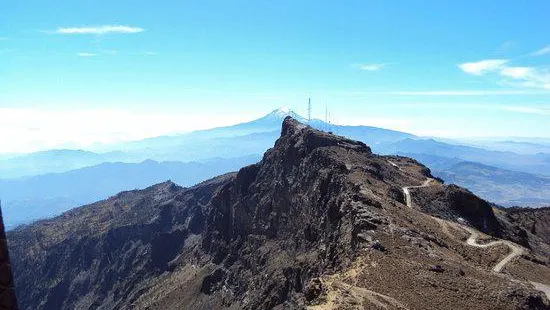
[320,222]
[533,220]
[529,227]
[458,204]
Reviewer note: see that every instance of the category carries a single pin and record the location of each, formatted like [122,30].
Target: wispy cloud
[86,54]
[528,110]
[3,38]
[109,52]
[371,67]
[543,51]
[529,77]
[506,46]
[483,66]
[515,76]
[112,53]
[99,30]
[516,72]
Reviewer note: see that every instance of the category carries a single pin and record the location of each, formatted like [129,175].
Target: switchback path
[407,192]
[515,250]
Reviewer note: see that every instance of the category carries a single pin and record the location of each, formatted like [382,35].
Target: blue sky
[117,70]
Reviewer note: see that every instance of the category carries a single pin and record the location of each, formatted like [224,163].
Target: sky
[75,73]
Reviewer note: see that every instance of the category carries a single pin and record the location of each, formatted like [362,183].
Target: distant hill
[521,147]
[501,186]
[505,187]
[537,163]
[52,161]
[43,196]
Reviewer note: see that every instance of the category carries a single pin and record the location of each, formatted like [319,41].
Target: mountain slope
[500,186]
[52,161]
[530,163]
[48,195]
[320,222]
[256,136]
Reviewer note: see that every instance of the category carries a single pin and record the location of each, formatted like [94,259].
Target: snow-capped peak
[283,111]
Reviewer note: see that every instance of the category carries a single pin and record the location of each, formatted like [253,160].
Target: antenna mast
[326,117]
[309,110]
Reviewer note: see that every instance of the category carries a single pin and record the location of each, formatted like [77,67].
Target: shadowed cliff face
[7,294]
[452,202]
[289,232]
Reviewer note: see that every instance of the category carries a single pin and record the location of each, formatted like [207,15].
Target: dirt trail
[515,250]
[341,295]
[407,192]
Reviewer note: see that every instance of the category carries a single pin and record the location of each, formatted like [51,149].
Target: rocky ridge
[321,222]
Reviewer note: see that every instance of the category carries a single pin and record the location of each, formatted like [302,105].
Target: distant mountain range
[43,196]
[520,147]
[38,193]
[320,222]
[253,137]
[531,163]
[501,186]
[53,161]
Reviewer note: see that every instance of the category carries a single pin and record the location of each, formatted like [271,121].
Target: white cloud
[528,77]
[516,72]
[150,53]
[506,46]
[515,76]
[99,30]
[86,54]
[543,51]
[483,66]
[371,67]
[3,38]
[109,52]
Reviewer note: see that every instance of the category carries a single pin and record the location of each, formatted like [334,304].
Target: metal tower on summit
[309,110]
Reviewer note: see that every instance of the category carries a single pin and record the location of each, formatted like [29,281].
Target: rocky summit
[319,223]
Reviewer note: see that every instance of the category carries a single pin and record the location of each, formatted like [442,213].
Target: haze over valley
[44,184]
